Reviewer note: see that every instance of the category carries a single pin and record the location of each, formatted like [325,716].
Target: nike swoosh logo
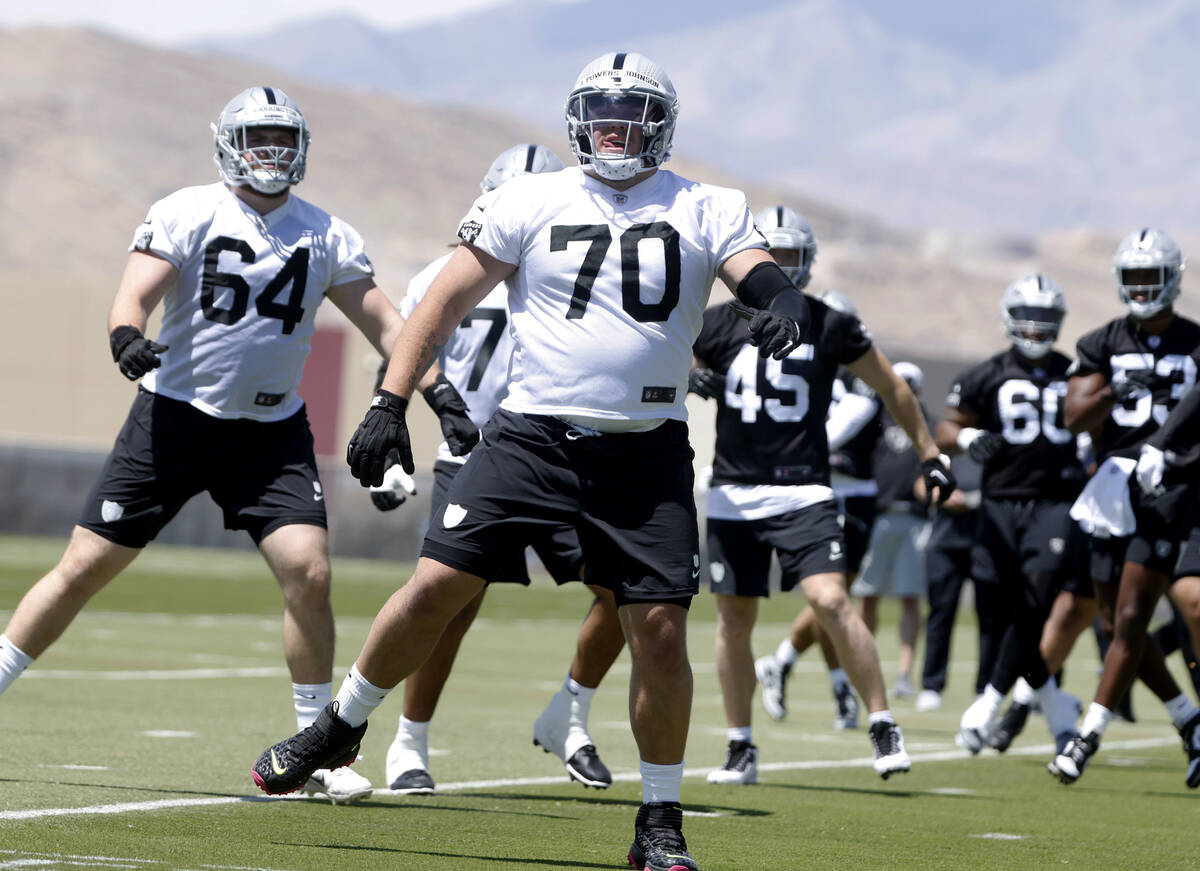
[275,766]
[307,696]
[696,573]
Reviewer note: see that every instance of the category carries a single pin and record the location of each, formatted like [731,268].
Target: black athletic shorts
[557,547]
[1021,539]
[807,541]
[263,475]
[1189,559]
[629,496]
[1078,579]
[857,519]
[1163,524]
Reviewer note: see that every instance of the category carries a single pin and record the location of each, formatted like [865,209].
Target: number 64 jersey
[238,323]
[610,286]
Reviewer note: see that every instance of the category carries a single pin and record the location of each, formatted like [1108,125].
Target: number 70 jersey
[610,286]
[239,322]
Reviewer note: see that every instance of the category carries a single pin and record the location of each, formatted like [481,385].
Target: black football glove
[458,429]
[1133,382]
[397,486]
[936,473]
[984,447]
[774,335]
[382,431]
[706,383]
[134,354]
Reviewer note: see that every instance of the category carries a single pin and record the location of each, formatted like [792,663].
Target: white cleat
[976,725]
[339,785]
[741,765]
[928,700]
[890,755]
[561,729]
[773,678]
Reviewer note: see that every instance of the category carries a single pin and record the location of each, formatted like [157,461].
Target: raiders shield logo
[469,231]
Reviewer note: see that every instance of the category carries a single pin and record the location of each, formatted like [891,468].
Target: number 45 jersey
[1023,401]
[610,286]
[239,321]
[1120,346]
[771,417]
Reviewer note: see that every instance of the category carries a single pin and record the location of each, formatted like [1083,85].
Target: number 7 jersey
[239,322]
[610,286]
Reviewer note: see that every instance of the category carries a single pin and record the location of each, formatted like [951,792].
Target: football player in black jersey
[1006,413]
[1126,378]
[771,493]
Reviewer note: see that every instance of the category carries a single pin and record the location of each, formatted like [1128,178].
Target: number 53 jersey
[610,286]
[238,323]
[1023,401]
[1119,347]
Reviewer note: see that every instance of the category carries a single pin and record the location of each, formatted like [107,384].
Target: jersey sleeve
[967,392]
[350,262]
[736,231]
[164,233]
[491,224]
[1091,356]
[844,338]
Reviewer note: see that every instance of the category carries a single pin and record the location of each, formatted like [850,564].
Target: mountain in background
[1021,117]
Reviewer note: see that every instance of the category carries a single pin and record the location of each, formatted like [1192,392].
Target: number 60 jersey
[610,286]
[239,322]
[1023,401]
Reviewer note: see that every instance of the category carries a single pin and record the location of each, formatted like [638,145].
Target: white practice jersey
[476,356]
[610,287]
[239,322]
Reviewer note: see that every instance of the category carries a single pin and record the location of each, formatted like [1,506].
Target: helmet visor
[620,107]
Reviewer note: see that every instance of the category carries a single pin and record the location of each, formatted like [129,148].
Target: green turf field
[129,745]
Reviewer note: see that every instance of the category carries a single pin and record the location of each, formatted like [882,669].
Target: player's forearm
[1181,430]
[904,407]
[946,435]
[1084,411]
[417,347]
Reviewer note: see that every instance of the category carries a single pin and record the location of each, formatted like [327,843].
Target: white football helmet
[839,302]
[622,89]
[1033,308]
[786,228]
[519,160]
[1148,266]
[271,169]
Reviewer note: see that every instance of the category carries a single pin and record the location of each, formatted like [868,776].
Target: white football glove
[397,486]
[1149,472]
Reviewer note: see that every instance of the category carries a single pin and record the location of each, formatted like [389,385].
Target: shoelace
[884,740]
[667,839]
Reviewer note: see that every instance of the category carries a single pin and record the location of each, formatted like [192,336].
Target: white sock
[1024,694]
[837,677]
[1181,710]
[578,690]
[416,737]
[13,661]
[1096,720]
[308,699]
[785,654]
[358,697]
[740,733]
[884,716]
[661,782]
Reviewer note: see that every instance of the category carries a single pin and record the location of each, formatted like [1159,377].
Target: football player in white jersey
[240,267]
[475,361]
[608,267]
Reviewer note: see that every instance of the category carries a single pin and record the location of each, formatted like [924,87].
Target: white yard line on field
[630,776]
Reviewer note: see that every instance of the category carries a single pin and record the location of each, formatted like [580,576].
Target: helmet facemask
[269,169]
[630,114]
[1148,267]
[1033,330]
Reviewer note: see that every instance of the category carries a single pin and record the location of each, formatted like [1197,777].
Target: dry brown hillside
[96,128]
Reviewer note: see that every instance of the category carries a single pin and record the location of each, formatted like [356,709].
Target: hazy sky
[173,21]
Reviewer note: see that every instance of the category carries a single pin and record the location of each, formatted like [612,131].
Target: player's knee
[830,603]
[307,581]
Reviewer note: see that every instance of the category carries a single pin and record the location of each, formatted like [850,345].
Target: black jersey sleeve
[969,391]
[722,334]
[843,337]
[1092,355]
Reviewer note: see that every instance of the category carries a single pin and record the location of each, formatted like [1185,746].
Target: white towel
[1103,508]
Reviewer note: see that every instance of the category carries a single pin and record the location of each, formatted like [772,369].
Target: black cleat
[1069,764]
[658,843]
[329,742]
[586,767]
[415,781]
[1010,726]
[741,765]
[1190,733]
[890,755]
